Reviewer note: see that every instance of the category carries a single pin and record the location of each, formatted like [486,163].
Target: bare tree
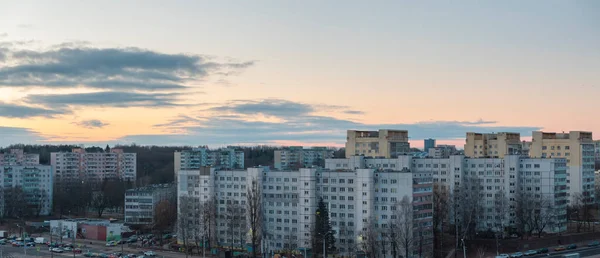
[185,222]
[209,221]
[501,209]
[524,209]
[441,209]
[368,238]
[580,210]
[481,252]
[543,215]
[255,214]
[404,225]
[165,216]
[236,223]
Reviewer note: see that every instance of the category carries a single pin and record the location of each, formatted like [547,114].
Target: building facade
[500,184]
[577,148]
[359,200]
[428,144]
[295,157]
[383,143]
[18,157]
[442,151]
[32,184]
[226,158]
[141,203]
[492,145]
[93,166]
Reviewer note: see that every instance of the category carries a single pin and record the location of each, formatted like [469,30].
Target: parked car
[516,255]
[530,252]
[111,243]
[17,243]
[503,256]
[571,247]
[30,244]
[77,251]
[542,250]
[56,250]
[68,249]
[560,248]
[593,243]
[149,253]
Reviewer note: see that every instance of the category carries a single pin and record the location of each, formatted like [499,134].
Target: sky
[223,73]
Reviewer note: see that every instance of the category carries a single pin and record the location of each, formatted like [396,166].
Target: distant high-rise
[383,143]
[577,148]
[225,158]
[429,143]
[18,157]
[295,157]
[492,145]
[93,166]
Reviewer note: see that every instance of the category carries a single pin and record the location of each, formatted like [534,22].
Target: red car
[77,250]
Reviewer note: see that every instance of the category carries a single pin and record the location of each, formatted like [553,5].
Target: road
[583,251]
[9,251]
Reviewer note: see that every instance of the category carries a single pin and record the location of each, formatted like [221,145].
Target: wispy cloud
[75,64]
[230,124]
[106,99]
[12,135]
[19,111]
[91,124]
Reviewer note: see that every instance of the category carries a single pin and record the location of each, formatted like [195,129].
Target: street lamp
[464,248]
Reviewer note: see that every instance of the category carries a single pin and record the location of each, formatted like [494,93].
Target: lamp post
[464,248]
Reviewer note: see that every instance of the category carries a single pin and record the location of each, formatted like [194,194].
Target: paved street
[9,251]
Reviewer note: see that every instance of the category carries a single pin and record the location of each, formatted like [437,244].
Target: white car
[149,253]
[503,256]
[56,250]
[516,255]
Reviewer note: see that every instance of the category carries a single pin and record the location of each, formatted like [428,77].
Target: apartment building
[18,157]
[225,158]
[442,151]
[35,184]
[358,199]
[93,166]
[502,181]
[428,144]
[493,145]
[140,203]
[295,157]
[383,143]
[577,148]
[597,150]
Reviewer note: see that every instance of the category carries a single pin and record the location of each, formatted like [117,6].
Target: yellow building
[575,146]
[492,145]
[383,143]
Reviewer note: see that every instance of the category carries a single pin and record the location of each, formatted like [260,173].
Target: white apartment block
[578,149]
[34,180]
[295,157]
[383,143]
[226,158]
[93,166]
[18,157]
[140,203]
[357,198]
[538,178]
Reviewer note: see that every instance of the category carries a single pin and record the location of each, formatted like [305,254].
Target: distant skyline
[293,73]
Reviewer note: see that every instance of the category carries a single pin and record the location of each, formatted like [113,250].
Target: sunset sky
[294,72]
